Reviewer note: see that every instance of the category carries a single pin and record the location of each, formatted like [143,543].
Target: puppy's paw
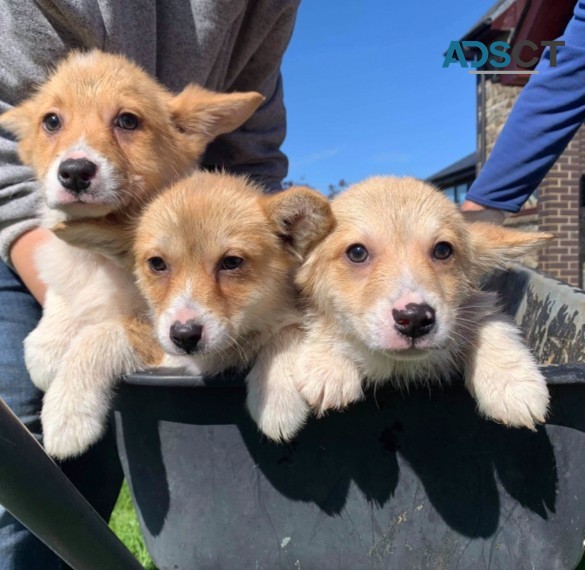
[41,362]
[329,384]
[273,400]
[70,427]
[45,347]
[521,399]
[504,378]
[279,416]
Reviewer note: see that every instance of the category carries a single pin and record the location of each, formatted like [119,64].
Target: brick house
[558,205]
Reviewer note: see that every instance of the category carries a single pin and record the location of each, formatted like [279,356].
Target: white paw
[46,346]
[504,378]
[279,416]
[41,361]
[519,398]
[328,385]
[273,400]
[70,427]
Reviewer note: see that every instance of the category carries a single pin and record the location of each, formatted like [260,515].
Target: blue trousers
[97,474]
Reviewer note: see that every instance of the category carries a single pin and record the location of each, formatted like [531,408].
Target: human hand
[474,212]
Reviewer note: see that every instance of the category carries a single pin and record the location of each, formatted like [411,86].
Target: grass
[125,524]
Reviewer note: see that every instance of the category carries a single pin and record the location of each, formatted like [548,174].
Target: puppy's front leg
[77,403]
[46,346]
[273,400]
[327,378]
[503,377]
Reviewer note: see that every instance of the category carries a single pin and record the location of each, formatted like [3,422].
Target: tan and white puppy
[215,259]
[394,297]
[102,137]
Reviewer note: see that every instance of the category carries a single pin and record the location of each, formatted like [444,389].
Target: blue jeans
[97,474]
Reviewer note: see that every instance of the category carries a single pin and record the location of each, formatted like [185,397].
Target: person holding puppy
[220,44]
[547,114]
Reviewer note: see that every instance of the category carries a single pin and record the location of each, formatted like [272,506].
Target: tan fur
[143,341]
[81,346]
[351,333]
[246,312]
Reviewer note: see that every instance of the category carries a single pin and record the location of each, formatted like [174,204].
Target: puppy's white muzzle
[189,328]
[81,179]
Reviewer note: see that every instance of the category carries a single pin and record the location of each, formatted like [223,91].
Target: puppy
[102,137]
[393,297]
[215,260]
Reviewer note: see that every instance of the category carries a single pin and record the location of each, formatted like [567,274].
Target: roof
[486,20]
[464,168]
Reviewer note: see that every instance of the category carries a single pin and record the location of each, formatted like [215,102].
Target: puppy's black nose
[415,320]
[75,174]
[186,335]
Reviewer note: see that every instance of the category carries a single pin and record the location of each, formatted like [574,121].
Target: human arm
[22,255]
[547,114]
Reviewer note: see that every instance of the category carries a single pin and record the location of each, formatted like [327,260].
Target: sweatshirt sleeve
[18,188]
[547,114]
[18,197]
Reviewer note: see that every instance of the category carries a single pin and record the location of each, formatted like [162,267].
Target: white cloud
[390,156]
[313,158]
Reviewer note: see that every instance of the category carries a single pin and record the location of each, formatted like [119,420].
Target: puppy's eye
[157,264]
[231,262]
[442,250]
[127,121]
[357,253]
[51,122]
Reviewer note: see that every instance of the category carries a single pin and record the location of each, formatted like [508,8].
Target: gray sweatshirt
[225,45]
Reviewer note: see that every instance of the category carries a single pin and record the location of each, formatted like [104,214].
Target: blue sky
[366,93]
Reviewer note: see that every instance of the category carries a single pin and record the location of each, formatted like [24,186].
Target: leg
[19,314]
[503,377]
[77,404]
[45,347]
[97,474]
[273,400]
[327,378]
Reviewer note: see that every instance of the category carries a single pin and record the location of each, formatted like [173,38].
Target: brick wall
[558,213]
[499,102]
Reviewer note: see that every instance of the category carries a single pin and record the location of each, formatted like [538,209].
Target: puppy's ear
[495,246]
[99,235]
[207,114]
[20,121]
[303,217]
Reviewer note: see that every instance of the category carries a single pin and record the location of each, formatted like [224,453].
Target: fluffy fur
[215,259]
[393,297]
[103,110]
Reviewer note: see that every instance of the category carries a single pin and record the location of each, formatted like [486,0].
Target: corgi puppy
[215,260]
[102,137]
[393,295]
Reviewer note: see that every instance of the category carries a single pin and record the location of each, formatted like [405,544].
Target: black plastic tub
[397,481]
